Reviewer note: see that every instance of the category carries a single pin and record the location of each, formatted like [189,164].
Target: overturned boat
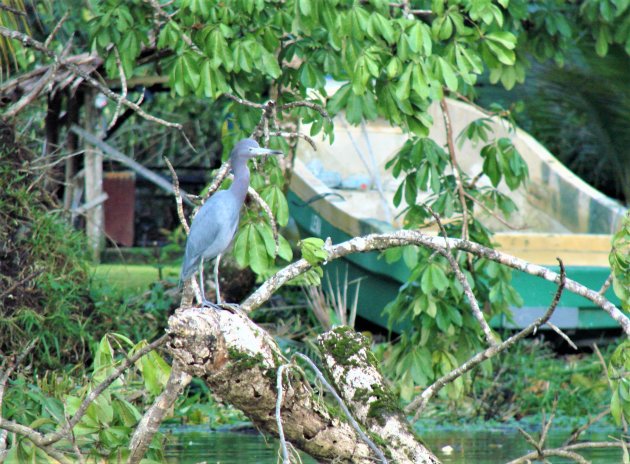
[344,190]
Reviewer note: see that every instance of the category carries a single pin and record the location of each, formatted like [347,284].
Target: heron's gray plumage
[214,226]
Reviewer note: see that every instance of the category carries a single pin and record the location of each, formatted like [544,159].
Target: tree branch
[491,338]
[455,166]
[422,400]
[153,417]
[28,41]
[375,242]
[78,415]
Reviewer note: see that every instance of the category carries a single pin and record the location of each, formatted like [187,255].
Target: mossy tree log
[352,367]
[239,361]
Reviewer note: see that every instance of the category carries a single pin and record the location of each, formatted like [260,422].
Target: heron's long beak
[264,151]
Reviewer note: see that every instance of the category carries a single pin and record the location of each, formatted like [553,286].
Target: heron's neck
[241,178]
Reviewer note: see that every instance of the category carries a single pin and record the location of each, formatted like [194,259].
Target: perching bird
[215,224]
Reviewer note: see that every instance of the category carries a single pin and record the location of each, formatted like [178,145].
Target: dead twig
[602,361]
[422,400]
[123,85]
[100,388]
[28,41]
[375,242]
[283,442]
[178,196]
[150,422]
[491,338]
[492,213]
[566,338]
[52,35]
[456,171]
[606,285]
[576,434]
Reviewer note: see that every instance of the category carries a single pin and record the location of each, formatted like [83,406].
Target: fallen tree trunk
[239,361]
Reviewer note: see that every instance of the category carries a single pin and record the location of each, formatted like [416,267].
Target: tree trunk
[239,362]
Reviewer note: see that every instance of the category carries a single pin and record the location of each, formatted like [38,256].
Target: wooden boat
[559,215]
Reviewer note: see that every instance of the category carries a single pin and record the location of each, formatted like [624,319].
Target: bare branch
[455,166]
[283,442]
[492,213]
[52,35]
[602,361]
[78,415]
[465,99]
[223,172]
[242,101]
[491,338]
[566,338]
[576,434]
[123,84]
[407,10]
[178,196]
[10,366]
[28,41]
[150,422]
[374,242]
[529,439]
[606,285]
[307,104]
[547,424]
[159,12]
[422,400]
[293,135]
[12,10]
[548,453]
[37,88]
[34,436]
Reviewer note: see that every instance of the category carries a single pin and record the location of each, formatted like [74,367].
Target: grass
[131,279]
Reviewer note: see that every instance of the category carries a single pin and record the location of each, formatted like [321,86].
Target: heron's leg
[216,278]
[204,302]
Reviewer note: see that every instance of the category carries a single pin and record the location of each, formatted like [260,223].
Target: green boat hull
[381,281]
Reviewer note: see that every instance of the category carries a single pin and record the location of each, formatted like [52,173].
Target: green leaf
[313,250]
[128,413]
[448,75]
[506,39]
[250,249]
[340,99]
[285,251]
[265,231]
[403,87]
[434,278]
[155,370]
[276,200]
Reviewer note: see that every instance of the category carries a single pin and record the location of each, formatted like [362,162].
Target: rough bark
[150,423]
[354,370]
[239,361]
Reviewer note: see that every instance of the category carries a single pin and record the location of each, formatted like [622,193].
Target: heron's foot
[233,308]
[209,304]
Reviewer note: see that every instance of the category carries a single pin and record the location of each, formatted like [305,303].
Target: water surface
[498,445]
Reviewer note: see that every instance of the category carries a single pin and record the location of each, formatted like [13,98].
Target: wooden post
[74,103]
[95,223]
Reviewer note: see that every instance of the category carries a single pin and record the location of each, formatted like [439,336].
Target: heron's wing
[211,231]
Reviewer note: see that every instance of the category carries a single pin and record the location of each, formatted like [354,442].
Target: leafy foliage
[579,113]
[392,65]
[103,432]
[620,263]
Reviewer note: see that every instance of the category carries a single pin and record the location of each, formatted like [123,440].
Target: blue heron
[214,226]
